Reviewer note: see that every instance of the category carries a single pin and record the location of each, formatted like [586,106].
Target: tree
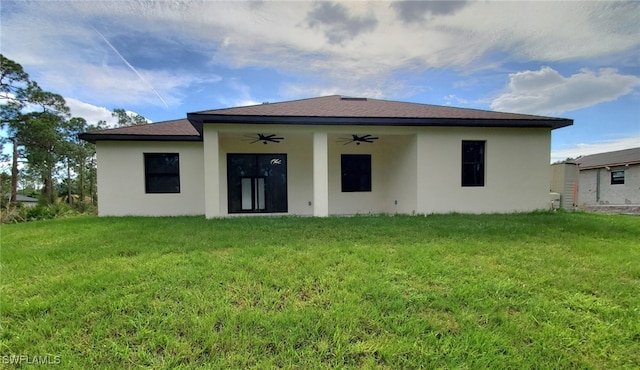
[128,119]
[5,183]
[14,87]
[81,155]
[39,129]
[42,135]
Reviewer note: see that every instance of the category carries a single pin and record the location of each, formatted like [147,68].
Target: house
[26,201]
[609,179]
[323,156]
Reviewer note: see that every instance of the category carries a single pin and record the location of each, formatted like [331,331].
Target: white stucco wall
[608,194]
[121,187]
[517,172]
[414,170]
[393,174]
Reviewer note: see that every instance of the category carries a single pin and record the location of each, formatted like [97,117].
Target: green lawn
[541,290]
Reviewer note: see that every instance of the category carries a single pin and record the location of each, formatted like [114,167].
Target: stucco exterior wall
[121,184]
[517,172]
[393,175]
[414,170]
[592,191]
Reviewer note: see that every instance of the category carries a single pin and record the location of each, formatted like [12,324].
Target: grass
[540,290]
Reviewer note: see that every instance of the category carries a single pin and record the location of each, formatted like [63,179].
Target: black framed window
[617,177]
[356,172]
[162,172]
[473,163]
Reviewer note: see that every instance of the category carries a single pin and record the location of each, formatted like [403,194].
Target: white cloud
[372,41]
[92,113]
[593,148]
[293,91]
[548,92]
[119,86]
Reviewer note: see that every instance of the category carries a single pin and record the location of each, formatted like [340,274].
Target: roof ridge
[266,103]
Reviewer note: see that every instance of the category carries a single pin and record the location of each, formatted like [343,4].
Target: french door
[257,183]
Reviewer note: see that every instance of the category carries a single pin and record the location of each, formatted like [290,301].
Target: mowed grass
[540,290]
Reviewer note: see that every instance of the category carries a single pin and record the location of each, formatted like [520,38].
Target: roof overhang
[92,138]
[609,165]
[198,119]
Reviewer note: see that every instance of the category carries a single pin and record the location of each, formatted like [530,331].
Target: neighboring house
[611,178]
[24,200]
[324,156]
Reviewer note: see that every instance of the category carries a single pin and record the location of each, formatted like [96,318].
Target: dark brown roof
[339,106]
[327,110]
[609,159]
[340,110]
[176,130]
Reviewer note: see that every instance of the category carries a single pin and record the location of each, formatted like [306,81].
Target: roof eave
[616,164]
[92,138]
[199,119]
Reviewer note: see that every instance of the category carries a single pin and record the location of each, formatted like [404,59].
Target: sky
[162,59]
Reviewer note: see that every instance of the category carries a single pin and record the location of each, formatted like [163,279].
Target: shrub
[18,213]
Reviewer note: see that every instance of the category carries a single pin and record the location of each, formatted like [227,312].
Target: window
[356,172]
[473,163]
[161,173]
[617,177]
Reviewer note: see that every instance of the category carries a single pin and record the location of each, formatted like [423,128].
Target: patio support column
[211,173]
[320,175]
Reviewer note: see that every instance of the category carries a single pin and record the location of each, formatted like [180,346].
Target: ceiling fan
[273,138]
[358,139]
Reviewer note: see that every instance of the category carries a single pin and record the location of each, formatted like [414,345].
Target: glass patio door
[257,183]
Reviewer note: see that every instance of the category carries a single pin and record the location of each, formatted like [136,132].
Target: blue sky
[578,60]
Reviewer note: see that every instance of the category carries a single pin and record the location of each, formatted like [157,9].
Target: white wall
[393,174]
[617,194]
[517,172]
[420,168]
[121,187]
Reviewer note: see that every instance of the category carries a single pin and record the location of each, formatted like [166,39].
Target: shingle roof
[327,110]
[370,110]
[340,106]
[609,159]
[176,130]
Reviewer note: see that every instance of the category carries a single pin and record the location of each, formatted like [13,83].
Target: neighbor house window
[356,172]
[161,173]
[617,177]
[473,163]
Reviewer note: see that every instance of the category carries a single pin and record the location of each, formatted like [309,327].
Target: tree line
[44,138]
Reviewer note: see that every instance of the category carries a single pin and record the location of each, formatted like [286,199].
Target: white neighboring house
[24,200]
[323,156]
[611,179]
